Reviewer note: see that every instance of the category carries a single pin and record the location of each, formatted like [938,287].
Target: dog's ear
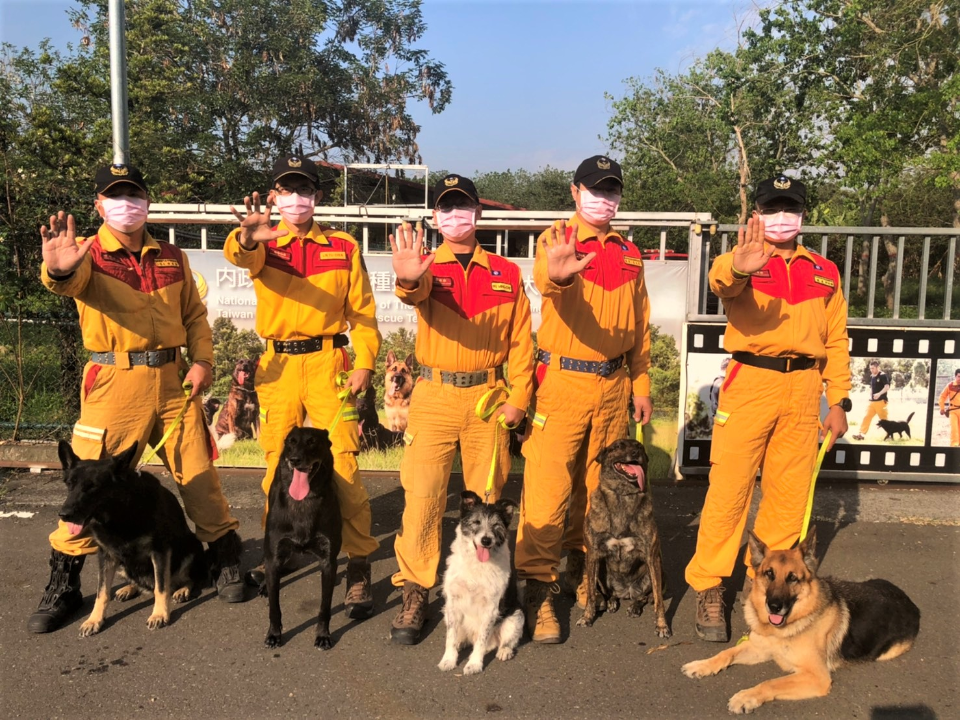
[507,509]
[409,360]
[68,458]
[126,459]
[757,549]
[808,549]
[601,456]
[391,358]
[468,501]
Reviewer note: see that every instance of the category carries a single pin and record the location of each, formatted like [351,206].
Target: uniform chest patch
[761,274]
[636,262]
[502,287]
[282,254]
[333,255]
[167,263]
[495,273]
[442,282]
[824,281]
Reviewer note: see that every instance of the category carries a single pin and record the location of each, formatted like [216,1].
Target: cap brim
[778,195]
[313,178]
[454,189]
[599,180]
[118,181]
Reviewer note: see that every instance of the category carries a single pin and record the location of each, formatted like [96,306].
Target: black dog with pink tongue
[303,515]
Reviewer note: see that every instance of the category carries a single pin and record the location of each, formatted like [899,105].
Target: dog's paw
[323,642]
[585,621]
[182,595]
[90,627]
[636,609]
[272,640]
[127,592]
[663,630]
[744,702]
[262,592]
[473,667]
[506,653]
[698,669]
[157,621]
[447,663]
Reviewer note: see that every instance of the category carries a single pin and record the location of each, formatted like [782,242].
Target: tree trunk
[864,276]
[890,276]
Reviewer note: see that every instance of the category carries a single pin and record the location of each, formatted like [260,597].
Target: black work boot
[409,622]
[358,601]
[226,567]
[62,597]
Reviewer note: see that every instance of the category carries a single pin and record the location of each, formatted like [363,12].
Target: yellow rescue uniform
[125,307]
[602,316]
[468,321]
[950,404]
[792,308]
[313,287]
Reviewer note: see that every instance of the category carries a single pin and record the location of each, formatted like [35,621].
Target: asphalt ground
[211,662]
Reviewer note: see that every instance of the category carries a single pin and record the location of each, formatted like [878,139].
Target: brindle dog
[623,546]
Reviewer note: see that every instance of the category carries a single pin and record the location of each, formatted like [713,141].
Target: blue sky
[529,76]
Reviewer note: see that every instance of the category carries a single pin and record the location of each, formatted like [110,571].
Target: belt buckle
[152,358]
[461,380]
[604,369]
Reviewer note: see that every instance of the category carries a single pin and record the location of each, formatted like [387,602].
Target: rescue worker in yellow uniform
[311,286]
[950,406]
[787,334]
[138,306]
[472,317]
[594,355]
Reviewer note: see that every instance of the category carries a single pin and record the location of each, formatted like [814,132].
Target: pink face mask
[294,208]
[456,223]
[125,214]
[598,209]
[782,227]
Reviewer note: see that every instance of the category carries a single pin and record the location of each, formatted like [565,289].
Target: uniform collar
[584,233]
[109,242]
[315,234]
[800,252]
[445,254]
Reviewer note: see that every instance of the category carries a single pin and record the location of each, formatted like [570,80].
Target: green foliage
[546,189]
[229,346]
[664,372]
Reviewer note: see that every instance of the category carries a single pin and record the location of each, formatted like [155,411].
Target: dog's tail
[910,417]
[226,441]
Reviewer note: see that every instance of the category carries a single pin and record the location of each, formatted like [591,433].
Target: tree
[545,189]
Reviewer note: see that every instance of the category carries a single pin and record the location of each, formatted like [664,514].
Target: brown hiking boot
[358,601]
[711,615]
[413,614]
[538,607]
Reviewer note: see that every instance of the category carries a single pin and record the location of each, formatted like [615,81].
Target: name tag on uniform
[167,263]
[282,254]
[824,281]
[636,262]
[502,287]
[333,255]
[442,281]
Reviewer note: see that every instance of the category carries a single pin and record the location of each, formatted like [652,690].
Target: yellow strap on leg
[487,405]
[187,387]
[813,482]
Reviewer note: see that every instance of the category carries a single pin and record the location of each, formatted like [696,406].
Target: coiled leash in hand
[187,387]
[343,396]
[487,405]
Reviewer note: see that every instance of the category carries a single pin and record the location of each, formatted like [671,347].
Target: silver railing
[840,244]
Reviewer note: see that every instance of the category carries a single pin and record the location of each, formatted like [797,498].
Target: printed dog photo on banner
[890,398]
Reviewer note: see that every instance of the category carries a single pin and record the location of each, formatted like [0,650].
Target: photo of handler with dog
[311,285]
[138,306]
[473,316]
[787,333]
[594,345]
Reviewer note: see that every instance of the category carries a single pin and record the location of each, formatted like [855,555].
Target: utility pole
[118,84]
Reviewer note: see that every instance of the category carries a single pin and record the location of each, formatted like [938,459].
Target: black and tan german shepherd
[303,516]
[810,626]
[140,529]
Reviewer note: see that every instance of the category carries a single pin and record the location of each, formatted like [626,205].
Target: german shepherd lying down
[140,529]
[303,515]
[810,626]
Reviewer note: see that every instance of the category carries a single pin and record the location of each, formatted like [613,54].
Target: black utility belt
[780,364]
[603,368]
[462,379]
[310,345]
[150,358]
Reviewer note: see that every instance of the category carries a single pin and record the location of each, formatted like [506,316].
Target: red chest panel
[476,291]
[617,263]
[156,270]
[309,258]
[797,282]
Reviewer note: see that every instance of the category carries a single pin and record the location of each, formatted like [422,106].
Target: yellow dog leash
[343,396]
[487,405]
[187,387]
[813,482]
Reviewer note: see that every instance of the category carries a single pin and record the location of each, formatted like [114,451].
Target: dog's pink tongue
[483,554]
[300,485]
[74,529]
[776,619]
[638,471]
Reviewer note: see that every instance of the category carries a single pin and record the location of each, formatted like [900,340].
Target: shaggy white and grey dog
[481,607]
